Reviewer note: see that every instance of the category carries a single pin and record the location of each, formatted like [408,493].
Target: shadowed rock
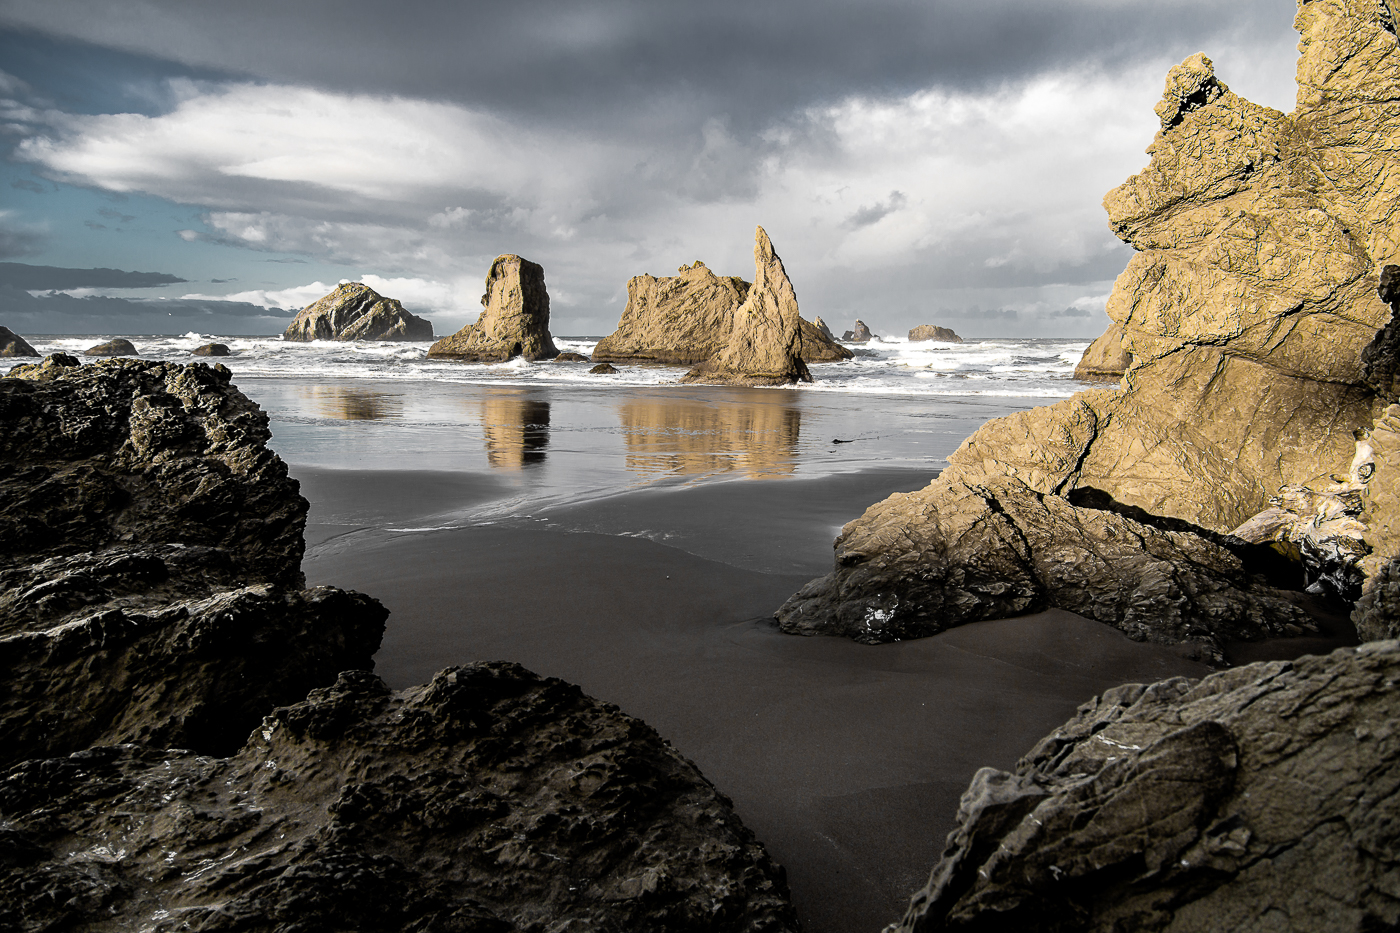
[354,311]
[12,344]
[514,320]
[764,342]
[1104,360]
[1177,807]
[487,800]
[603,369]
[933,332]
[211,349]
[118,347]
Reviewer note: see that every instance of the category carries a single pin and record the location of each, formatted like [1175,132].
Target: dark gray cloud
[62,314]
[53,278]
[15,241]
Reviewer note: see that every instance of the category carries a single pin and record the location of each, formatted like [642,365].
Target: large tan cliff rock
[687,318]
[354,311]
[514,320]
[1248,309]
[765,338]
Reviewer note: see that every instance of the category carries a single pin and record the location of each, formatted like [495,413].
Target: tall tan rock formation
[514,320]
[1248,309]
[765,338]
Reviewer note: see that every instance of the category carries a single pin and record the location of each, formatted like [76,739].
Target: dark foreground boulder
[514,319]
[12,344]
[1261,798]
[488,800]
[354,311]
[117,347]
[150,564]
[211,349]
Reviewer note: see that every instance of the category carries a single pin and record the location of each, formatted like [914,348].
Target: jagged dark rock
[933,332]
[12,344]
[150,563]
[514,320]
[1264,797]
[859,334]
[354,311]
[603,369]
[211,349]
[488,800]
[120,346]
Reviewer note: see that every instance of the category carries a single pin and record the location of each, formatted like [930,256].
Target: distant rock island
[931,332]
[859,333]
[354,311]
[764,346]
[119,346]
[688,318]
[514,320]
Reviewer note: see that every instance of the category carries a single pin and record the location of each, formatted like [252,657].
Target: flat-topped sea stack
[932,332]
[514,320]
[765,339]
[688,318]
[1106,359]
[354,311]
[1258,383]
[12,344]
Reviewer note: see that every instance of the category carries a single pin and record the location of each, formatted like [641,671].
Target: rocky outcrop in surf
[119,346]
[354,311]
[489,799]
[12,344]
[1175,806]
[1106,359]
[688,318]
[765,339]
[933,332]
[1248,310]
[514,320]
[859,334]
[150,579]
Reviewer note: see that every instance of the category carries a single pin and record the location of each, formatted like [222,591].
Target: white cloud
[290,299]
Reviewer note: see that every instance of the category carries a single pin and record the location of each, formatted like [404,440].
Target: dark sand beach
[642,555]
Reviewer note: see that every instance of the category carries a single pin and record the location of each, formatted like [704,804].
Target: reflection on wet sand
[687,437]
[516,429]
[347,403]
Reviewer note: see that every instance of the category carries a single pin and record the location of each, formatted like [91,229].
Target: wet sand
[847,761]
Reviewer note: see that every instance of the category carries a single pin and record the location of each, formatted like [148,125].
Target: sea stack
[1258,383]
[1105,360]
[514,320]
[354,311]
[931,332]
[860,333]
[763,346]
[12,344]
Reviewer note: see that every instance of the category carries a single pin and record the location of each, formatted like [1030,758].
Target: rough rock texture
[211,349]
[357,312]
[150,551]
[12,344]
[1105,360]
[488,800]
[688,318]
[933,332]
[825,331]
[514,320]
[603,369]
[1261,798]
[859,334]
[1248,310]
[118,347]
[766,336]
[571,357]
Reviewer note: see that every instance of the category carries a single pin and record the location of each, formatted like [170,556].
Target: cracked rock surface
[514,319]
[488,800]
[1261,798]
[354,311]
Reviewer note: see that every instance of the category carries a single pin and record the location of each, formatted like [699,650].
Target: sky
[191,165]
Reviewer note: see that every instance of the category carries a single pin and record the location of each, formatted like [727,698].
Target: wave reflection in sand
[693,436]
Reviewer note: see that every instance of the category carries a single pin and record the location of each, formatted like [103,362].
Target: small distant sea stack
[514,320]
[1106,360]
[765,340]
[822,329]
[355,311]
[118,347]
[12,344]
[931,332]
[859,334]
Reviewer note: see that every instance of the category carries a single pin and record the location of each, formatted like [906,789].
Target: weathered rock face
[932,332]
[355,311]
[603,369]
[514,322]
[825,331]
[571,357]
[487,800]
[765,339]
[1247,310]
[211,349]
[688,318]
[859,334]
[12,344]
[1105,360]
[1177,807]
[150,578]
[118,347]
